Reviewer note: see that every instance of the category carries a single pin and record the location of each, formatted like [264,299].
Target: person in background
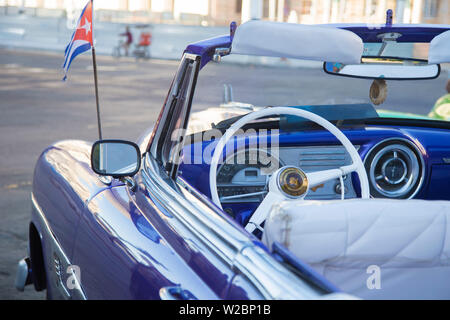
[441,109]
[129,39]
[145,41]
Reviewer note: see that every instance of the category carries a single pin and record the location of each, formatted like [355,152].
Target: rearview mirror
[115,158]
[388,68]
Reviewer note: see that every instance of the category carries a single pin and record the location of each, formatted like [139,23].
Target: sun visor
[289,40]
[439,51]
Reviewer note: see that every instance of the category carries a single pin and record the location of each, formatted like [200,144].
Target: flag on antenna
[81,38]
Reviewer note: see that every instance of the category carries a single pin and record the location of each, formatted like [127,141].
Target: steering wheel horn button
[292,182]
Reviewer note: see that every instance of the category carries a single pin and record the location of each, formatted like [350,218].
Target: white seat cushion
[409,240]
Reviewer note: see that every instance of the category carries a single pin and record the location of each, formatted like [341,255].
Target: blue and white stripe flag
[81,38]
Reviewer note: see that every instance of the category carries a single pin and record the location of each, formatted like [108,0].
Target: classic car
[277,197]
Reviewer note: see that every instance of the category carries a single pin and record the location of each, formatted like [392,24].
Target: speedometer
[243,176]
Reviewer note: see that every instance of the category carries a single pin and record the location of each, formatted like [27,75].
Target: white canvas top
[439,51]
[290,40]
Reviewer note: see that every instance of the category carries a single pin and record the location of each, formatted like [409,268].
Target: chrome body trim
[23,274]
[219,53]
[190,214]
[106,180]
[57,255]
[157,131]
[225,240]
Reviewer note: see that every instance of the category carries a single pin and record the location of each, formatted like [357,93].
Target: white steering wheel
[309,180]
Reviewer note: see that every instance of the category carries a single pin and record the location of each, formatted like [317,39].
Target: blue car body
[145,243]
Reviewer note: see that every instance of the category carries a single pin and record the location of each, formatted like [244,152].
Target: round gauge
[395,169]
[245,173]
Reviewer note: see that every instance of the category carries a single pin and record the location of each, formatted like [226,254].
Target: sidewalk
[28,32]
[168,40]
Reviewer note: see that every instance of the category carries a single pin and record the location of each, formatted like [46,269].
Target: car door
[121,254]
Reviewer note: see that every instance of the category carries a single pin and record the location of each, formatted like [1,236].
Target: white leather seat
[409,240]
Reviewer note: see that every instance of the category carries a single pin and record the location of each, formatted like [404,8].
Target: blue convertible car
[295,192]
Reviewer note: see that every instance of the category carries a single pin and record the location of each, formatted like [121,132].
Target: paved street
[37,109]
[53,34]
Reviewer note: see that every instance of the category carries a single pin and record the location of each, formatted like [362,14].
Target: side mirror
[115,158]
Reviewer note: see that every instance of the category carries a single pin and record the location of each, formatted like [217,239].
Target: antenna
[94,63]
[96,94]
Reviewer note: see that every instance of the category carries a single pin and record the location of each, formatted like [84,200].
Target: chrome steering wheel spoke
[318,177]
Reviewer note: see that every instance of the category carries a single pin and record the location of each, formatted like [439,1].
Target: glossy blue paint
[206,48]
[101,230]
[111,239]
[440,186]
[410,32]
[126,253]
[389,17]
[241,289]
[206,268]
[62,184]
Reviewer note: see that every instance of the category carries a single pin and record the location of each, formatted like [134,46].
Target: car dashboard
[402,162]
[251,177]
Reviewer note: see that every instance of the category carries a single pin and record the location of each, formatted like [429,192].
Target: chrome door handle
[175,293]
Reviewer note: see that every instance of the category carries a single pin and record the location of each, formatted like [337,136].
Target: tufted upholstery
[409,240]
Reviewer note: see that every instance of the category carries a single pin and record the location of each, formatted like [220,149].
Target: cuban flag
[81,38]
